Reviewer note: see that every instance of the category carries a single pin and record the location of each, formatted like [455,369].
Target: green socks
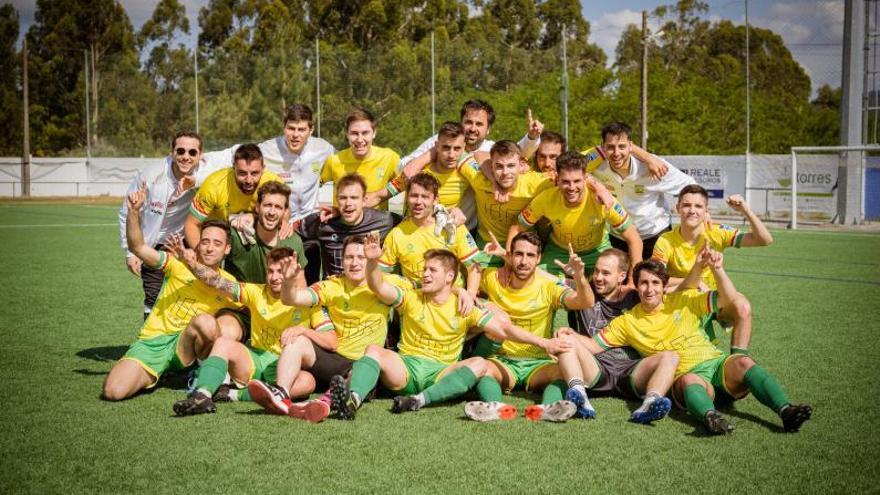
[450,386]
[697,401]
[211,374]
[553,392]
[364,376]
[489,389]
[485,346]
[765,388]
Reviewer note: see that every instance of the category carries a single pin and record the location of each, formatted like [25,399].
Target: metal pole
[644,105]
[26,133]
[748,106]
[318,81]
[433,100]
[793,190]
[88,117]
[564,87]
[196,62]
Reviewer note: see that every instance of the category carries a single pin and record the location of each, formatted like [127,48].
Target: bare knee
[668,358]
[374,351]
[113,390]
[223,347]
[477,365]
[739,365]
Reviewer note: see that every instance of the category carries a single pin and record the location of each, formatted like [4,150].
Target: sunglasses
[182,151]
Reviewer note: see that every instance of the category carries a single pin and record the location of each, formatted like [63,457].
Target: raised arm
[133,233]
[694,278]
[386,292]
[582,297]
[634,247]
[726,290]
[657,167]
[132,262]
[758,235]
[292,292]
[209,276]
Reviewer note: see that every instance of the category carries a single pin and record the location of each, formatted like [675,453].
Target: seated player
[639,180]
[272,323]
[426,369]
[577,216]
[406,244]
[377,165]
[497,216]
[228,191]
[359,318]
[247,262]
[442,162]
[678,250]
[180,329]
[672,322]
[353,219]
[530,300]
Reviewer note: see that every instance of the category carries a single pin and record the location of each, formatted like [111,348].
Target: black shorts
[243,316]
[327,365]
[616,369]
[151,280]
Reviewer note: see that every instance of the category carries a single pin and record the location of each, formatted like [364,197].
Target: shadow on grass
[775,428]
[103,354]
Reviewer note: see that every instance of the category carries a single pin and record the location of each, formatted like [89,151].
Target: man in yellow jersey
[577,216]
[228,191]
[672,322]
[442,162]
[377,165]
[407,243]
[181,327]
[272,322]
[496,216]
[426,370]
[530,300]
[678,249]
[359,319]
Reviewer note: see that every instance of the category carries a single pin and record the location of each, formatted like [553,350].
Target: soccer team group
[270,297]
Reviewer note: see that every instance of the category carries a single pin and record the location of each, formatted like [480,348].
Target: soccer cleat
[273,399]
[794,416]
[196,403]
[314,410]
[222,394]
[404,403]
[717,424]
[341,399]
[584,408]
[489,411]
[556,412]
[658,409]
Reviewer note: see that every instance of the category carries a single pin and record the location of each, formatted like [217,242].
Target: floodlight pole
[748,106]
[88,116]
[564,95]
[644,109]
[196,63]
[433,98]
[318,81]
[26,133]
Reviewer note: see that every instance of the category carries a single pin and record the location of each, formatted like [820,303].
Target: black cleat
[717,424]
[196,403]
[341,399]
[794,416]
[404,403]
[222,394]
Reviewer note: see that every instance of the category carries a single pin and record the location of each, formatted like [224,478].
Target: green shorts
[484,259]
[712,371]
[156,355]
[421,373]
[554,252]
[264,364]
[521,370]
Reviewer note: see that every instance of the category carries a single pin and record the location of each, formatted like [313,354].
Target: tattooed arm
[209,276]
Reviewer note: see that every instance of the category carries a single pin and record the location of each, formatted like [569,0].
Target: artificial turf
[69,309]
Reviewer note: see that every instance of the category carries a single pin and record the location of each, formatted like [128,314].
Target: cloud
[606,31]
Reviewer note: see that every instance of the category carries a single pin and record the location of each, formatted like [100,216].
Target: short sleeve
[533,212]
[390,257]
[617,217]
[662,250]
[204,202]
[465,246]
[320,320]
[614,335]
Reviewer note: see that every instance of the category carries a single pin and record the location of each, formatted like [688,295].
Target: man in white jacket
[169,194]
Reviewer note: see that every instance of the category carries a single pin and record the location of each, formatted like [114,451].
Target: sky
[812,30]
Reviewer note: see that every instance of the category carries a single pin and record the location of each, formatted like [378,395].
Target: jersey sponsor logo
[380,172]
[296,317]
[726,227]
[619,209]
[592,155]
[640,189]
[410,248]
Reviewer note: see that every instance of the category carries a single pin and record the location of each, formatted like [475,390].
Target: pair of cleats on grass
[273,399]
[575,404]
[793,417]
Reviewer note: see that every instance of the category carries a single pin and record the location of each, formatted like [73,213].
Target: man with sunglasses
[169,194]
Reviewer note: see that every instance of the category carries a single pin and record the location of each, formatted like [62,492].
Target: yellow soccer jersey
[219,196]
[358,315]
[182,297]
[675,327]
[434,331]
[583,226]
[377,169]
[406,244]
[680,255]
[531,308]
[496,217]
[270,317]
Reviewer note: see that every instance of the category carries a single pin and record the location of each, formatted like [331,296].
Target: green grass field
[69,309]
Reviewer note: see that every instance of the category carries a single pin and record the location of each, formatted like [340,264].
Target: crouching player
[673,322]
[180,328]
[272,322]
[530,300]
[426,370]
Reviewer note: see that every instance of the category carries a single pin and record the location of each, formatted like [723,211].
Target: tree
[10,82]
